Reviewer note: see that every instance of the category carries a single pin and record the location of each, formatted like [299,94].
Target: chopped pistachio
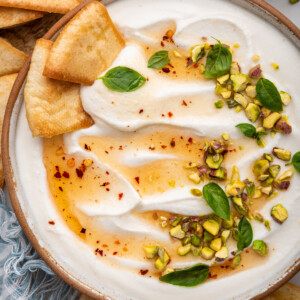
[167,271]
[195,178]
[268,181]
[250,186]
[162,261]
[261,142]
[257,102]
[240,205]
[274,170]
[177,232]
[174,221]
[267,224]
[222,79]
[195,240]
[184,250]
[285,97]
[263,177]
[279,213]
[275,66]
[185,226]
[257,193]
[271,120]
[214,161]
[235,189]
[202,69]
[197,51]
[267,190]
[219,104]
[150,251]
[268,157]
[216,244]
[218,174]
[238,108]
[255,58]
[260,167]
[259,218]
[196,192]
[282,154]
[216,218]
[172,183]
[186,240]
[264,112]
[239,82]
[236,45]
[228,223]
[239,98]
[222,253]
[273,133]
[207,237]
[236,261]
[176,54]
[225,236]
[235,234]
[211,226]
[234,68]
[225,94]
[217,147]
[287,174]
[283,126]
[196,250]
[207,253]
[252,112]
[190,165]
[225,136]
[251,91]
[255,72]
[260,247]
[207,46]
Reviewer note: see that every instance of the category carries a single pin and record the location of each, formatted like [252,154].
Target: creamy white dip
[194,19]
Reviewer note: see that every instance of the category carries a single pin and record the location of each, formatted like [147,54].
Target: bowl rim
[261,5]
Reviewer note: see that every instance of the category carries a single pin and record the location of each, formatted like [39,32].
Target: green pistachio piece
[260,247]
[228,224]
[285,97]
[162,261]
[195,240]
[235,235]
[225,236]
[214,161]
[286,175]
[267,181]
[260,167]
[184,250]
[264,112]
[196,250]
[177,232]
[222,253]
[252,112]
[151,251]
[282,154]
[220,173]
[239,98]
[234,68]
[195,178]
[211,226]
[216,244]
[196,192]
[186,240]
[236,261]
[251,91]
[274,170]
[271,120]
[207,253]
[268,157]
[207,237]
[279,213]
[239,82]
[240,205]
[222,79]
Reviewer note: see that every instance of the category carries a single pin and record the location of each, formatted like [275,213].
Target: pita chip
[56,6]
[52,107]
[10,17]
[86,47]
[11,59]
[6,83]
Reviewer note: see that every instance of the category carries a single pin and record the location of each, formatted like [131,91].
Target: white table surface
[293,13]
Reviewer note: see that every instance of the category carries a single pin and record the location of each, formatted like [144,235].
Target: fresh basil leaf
[187,277]
[158,60]
[218,61]
[123,79]
[217,200]
[268,95]
[247,129]
[245,234]
[296,161]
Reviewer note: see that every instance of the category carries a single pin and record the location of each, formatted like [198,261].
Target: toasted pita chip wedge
[52,107]
[10,16]
[56,6]
[86,46]
[288,291]
[6,83]
[11,59]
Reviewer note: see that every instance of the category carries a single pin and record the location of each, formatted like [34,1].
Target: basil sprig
[158,60]
[123,79]
[295,161]
[187,277]
[268,95]
[250,131]
[245,234]
[217,200]
[218,61]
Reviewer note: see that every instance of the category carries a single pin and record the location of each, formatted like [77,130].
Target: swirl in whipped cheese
[127,144]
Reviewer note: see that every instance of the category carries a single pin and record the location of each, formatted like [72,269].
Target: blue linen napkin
[23,274]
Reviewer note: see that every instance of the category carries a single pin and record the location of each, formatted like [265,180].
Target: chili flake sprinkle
[57,175]
[51,222]
[120,196]
[83,230]
[137,179]
[66,174]
[143,272]
[79,173]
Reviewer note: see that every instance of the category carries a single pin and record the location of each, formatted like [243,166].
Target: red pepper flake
[195,65]
[83,230]
[66,174]
[164,146]
[183,103]
[121,147]
[143,272]
[247,251]
[115,253]
[117,242]
[57,175]
[106,152]
[99,251]
[107,173]
[104,245]
[162,44]
[125,249]
[51,222]
[120,196]
[172,143]
[162,115]
[190,140]
[204,39]
[215,276]
[141,111]
[165,37]
[86,147]
[61,189]
[107,189]
[79,173]
[137,179]
[166,70]
[170,114]
[105,184]
[97,242]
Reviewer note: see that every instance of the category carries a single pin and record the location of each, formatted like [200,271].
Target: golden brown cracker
[52,107]
[86,46]
[288,291]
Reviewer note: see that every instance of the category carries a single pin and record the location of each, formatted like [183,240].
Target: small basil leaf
[158,60]
[245,234]
[247,129]
[217,200]
[218,61]
[258,134]
[187,277]
[123,79]
[268,95]
[296,161]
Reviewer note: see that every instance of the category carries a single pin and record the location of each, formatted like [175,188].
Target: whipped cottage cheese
[117,115]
